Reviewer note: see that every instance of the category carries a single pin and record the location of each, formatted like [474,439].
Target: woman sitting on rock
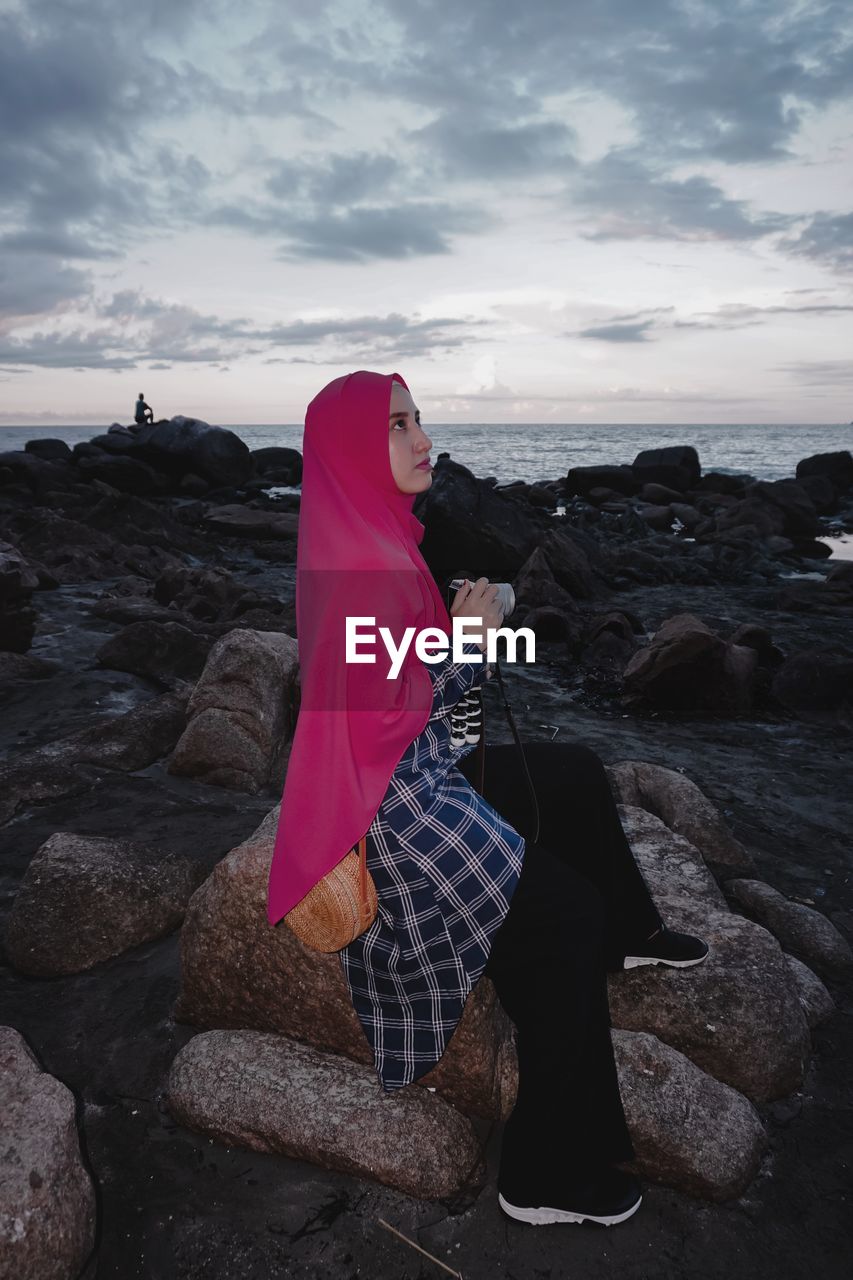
[461,891]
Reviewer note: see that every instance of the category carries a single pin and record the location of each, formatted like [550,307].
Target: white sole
[544,1214]
[632,962]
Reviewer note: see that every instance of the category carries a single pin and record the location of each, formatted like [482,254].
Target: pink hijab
[357,555]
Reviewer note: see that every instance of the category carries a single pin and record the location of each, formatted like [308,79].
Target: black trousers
[580,904]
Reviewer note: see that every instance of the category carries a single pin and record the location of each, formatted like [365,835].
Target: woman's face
[408,443]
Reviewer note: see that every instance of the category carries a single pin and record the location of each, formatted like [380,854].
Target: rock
[821,491]
[278,465]
[238,971]
[837,467]
[670,864]
[575,561]
[187,444]
[752,517]
[242,713]
[49,449]
[128,475]
[688,1130]
[156,650]
[717,1012]
[816,686]
[583,480]
[238,519]
[469,524]
[674,798]
[676,466]
[536,587]
[687,514]
[800,929]
[656,517]
[833,596]
[268,1093]
[724,483]
[84,899]
[686,667]
[47,1200]
[816,1002]
[658,495]
[72,765]
[800,517]
[610,640]
[18,580]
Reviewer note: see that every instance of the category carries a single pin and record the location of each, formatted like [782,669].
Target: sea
[545,451]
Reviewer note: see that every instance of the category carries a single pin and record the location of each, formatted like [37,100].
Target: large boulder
[717,1012]
[84,899]
[237,971]
[473,529]
[179,445]
[676,466]
[269,1093]
[670,795]
[837,467]
[816,686]
[687,667]
[799,929]
[688,1130]
[47,1200]
[242,712]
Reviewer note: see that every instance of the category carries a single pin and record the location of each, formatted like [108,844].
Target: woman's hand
[478,600]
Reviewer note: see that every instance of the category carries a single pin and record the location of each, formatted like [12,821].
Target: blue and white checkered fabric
[445,865]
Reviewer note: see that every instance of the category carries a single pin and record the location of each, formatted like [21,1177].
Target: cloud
[828,238]
[636,332]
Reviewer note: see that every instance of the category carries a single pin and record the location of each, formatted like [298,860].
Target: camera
[506,595]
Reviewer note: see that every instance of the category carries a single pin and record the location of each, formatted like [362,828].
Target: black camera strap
[481,749]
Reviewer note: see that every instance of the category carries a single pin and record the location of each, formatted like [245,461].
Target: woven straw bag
[339,907]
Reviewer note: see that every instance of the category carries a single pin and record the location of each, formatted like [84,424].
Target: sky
[614,211]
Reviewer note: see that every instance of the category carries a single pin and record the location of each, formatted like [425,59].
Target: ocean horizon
[546,451]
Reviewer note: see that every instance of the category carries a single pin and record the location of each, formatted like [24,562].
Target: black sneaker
[679,950]
[610,1197]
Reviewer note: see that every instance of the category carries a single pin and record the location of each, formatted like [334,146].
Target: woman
[462,891]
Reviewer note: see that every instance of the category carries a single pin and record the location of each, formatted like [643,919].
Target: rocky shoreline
[673,628]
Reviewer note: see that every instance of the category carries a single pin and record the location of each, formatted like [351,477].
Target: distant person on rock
[143,412]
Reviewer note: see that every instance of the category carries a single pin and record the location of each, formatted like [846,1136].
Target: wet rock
[676,466]
[84,899]
[268,1093]
[674,799]
[751,517]
[18,581]
[47,1200]
[807,933]
[535,586]
[716,1012]
[156,650]
[656,517]
[817,687]
[837,467]
[686,667]
[242,712]
[238,971]
[73,764]
[689,1130]
[834,595]
[816,1002]
[128,475]
[610,640]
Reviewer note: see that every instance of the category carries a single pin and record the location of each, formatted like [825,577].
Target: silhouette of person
[143,412]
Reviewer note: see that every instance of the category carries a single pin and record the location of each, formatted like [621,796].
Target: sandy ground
[174,1204]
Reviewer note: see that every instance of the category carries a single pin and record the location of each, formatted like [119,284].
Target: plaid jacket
[445,864]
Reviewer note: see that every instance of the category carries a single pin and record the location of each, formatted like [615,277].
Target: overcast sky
[622,210]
